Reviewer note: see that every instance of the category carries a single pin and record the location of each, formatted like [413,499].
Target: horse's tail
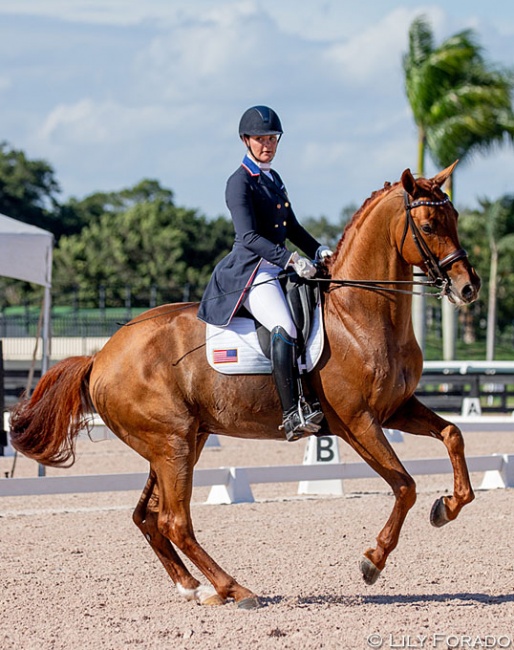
[44,426]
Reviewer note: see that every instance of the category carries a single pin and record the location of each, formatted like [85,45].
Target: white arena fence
[233,484]
[22,348]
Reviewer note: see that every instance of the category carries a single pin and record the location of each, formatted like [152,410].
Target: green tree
[326,232]
[28,189]
[500,233]
[473,237]
[75,214]
[149,243]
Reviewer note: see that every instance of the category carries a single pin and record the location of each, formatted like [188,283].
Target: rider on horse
[248,276]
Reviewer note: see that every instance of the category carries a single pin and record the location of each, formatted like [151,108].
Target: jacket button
[276,225]
[278,206]
[286,204]
[284,223]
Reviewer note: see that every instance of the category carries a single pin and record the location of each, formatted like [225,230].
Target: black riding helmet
[260,120]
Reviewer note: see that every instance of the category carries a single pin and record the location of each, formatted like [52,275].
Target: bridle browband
[435,268]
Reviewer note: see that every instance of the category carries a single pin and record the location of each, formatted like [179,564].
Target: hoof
[369,571]
[207,595]
[212,601]
[438,516]
[249,603]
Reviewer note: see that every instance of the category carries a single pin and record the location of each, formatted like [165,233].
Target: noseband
[435,268]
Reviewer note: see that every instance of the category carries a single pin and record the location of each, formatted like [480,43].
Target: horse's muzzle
[464,287]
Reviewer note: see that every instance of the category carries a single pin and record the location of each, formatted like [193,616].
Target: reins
[370,285]
[378,285]
[435,269]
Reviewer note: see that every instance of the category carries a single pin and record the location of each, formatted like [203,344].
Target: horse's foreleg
[146,517]
[414,417]
[372,445]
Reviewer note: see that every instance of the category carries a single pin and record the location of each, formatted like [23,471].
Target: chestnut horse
[153,387]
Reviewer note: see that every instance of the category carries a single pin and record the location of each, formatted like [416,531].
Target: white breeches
[266,300]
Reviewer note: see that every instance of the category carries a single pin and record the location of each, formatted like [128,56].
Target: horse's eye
[426,228]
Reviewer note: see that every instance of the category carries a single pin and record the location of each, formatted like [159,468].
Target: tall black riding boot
[299,419]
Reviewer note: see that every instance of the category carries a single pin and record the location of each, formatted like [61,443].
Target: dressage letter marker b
[321,450]
[325,449]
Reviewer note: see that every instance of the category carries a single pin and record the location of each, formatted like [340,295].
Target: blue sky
[113,91]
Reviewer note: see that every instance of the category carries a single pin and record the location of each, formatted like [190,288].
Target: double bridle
[435,268]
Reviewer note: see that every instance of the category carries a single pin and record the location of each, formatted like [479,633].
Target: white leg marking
[201,593]
[204,592]
[188,594]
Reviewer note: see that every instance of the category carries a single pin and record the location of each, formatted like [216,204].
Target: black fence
[445,391]
[442,391]
[79,324]
[91,313]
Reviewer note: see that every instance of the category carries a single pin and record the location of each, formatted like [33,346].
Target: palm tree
[461,106]
[477,117]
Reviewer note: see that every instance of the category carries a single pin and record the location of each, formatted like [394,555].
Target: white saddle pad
[235,350]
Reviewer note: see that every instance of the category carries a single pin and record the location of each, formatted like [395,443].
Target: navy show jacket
[263,219]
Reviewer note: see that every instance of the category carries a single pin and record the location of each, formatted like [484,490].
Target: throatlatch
[299,417]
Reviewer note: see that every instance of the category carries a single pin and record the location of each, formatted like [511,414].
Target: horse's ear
[443,176]
[409,183]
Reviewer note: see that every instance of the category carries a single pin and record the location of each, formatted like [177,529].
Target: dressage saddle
[302,298]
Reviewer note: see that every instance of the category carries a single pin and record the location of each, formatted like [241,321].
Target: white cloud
[111,91]
[374,53]
[229,53]
[105,123]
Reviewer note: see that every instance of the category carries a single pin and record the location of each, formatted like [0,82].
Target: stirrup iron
[301,421]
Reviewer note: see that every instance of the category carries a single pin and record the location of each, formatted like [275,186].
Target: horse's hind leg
[146,519]
[414,417]
[174,472]
[370,442]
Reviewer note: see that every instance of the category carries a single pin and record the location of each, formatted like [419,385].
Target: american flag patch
[225,356]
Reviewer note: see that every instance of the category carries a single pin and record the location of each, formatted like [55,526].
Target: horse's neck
[369,252]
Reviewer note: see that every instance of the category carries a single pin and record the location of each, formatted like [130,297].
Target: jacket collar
[251,166]
[254,170]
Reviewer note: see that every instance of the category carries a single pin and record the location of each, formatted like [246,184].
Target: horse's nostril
[468,292]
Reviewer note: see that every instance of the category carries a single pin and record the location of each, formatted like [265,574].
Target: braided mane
[375,197]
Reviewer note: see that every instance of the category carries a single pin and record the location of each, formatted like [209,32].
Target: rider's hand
[323,253]
[303,266]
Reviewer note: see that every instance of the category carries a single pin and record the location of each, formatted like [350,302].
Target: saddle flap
[235,349]
[302,298]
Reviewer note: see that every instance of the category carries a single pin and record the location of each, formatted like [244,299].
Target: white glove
[304,267]
[323,253]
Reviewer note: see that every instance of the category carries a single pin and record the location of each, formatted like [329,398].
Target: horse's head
[433,244]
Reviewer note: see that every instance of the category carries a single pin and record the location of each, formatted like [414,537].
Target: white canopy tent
[26,254]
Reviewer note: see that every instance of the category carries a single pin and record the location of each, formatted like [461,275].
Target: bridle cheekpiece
[435,268]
